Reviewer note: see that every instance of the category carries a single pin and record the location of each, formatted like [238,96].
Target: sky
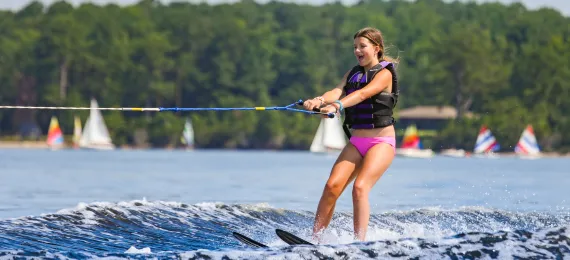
[563,6]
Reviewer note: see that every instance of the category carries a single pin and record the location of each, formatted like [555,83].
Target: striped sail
[486,142]
[527,143]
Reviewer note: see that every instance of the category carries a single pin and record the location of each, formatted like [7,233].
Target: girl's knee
[333,189]
[360,190]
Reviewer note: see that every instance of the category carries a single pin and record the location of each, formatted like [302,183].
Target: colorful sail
[527,143]
[411,138]
[55,135]
[412,145]
[486,142]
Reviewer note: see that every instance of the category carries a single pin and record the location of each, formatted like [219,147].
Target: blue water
[178,204]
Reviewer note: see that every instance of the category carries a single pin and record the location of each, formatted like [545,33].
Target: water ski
[248,241]
[290,238]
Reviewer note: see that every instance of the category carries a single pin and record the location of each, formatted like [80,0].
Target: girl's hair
[375,37]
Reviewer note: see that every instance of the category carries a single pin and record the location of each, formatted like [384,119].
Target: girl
[371,92]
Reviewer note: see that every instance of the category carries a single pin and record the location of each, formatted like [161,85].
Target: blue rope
[285,108]
[315,111]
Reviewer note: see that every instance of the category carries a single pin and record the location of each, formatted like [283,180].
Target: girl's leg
[375,163]
[342,173]
[329,215]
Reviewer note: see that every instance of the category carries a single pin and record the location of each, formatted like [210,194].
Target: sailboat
[486,145]
[55,135]
[188,135]
[412,145]
[329,137]
[76,131]
[95,134]
[527,147]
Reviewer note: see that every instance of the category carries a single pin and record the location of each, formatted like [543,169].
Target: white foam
[134,250]
[405,228]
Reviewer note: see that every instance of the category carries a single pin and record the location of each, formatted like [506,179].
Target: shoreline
[23,144]
[43,145]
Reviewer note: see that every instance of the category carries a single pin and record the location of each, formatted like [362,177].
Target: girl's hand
[329,109]
[312,103]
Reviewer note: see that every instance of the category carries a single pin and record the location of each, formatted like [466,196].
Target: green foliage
[458,134]
[507,64]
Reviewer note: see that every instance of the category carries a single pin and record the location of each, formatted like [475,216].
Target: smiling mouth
[360,58]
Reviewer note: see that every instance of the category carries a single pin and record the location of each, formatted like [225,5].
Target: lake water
[159,203]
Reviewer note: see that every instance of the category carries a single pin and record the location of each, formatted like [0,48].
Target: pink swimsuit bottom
[363,144]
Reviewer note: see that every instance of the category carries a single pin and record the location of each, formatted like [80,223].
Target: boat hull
[415,153]
[454,153]
[98,147]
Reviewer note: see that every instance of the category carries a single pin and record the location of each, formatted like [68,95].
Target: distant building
[427,117]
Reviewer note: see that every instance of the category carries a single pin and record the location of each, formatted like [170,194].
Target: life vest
[376,111]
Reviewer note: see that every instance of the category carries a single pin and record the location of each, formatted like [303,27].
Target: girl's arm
[379,83]
[333,94]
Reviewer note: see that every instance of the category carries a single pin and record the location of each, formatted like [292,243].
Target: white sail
[188,134]
[317,145]
[95,134]
[76,131]
[329,136]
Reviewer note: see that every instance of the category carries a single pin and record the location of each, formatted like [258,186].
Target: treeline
[507,64]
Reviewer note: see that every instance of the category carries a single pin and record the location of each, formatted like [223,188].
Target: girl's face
[365,51]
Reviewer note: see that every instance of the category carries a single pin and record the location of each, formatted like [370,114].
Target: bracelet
[341,108]
[320,98]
